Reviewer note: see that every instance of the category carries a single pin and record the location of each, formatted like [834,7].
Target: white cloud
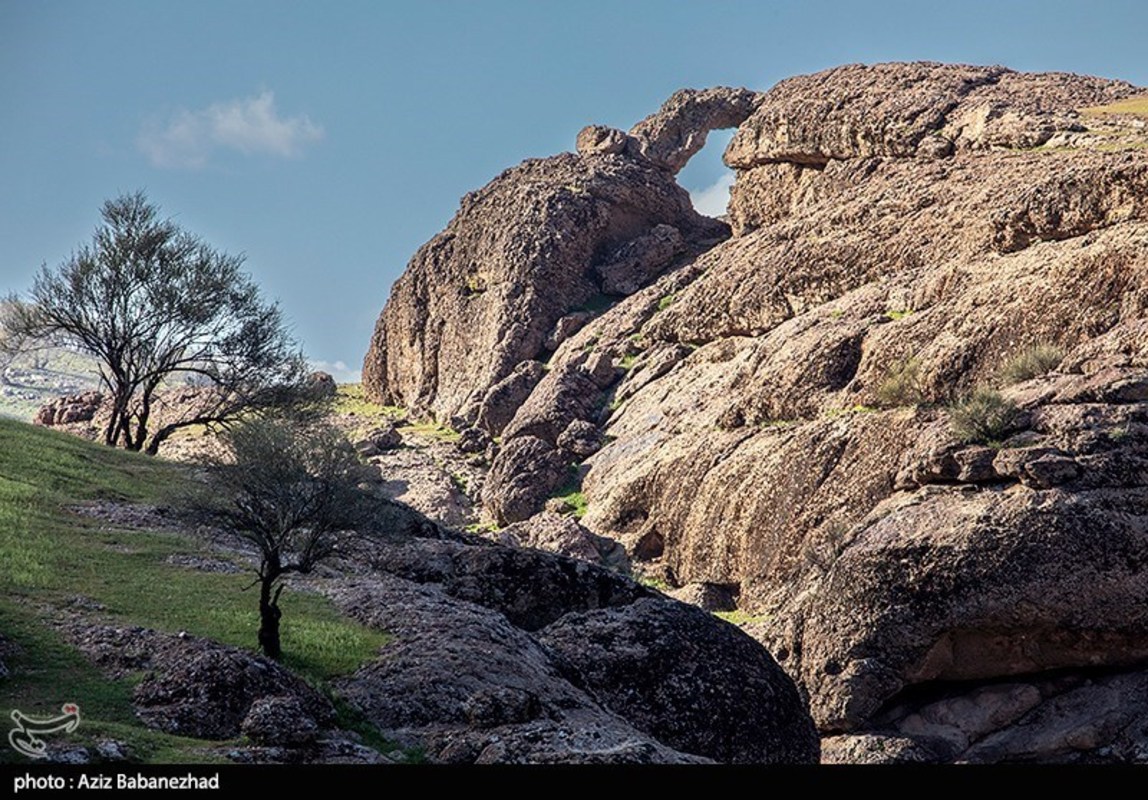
[250,126]
[712,201]
[338,370]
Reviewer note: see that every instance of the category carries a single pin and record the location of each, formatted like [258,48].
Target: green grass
[627,362]
[432,430]
[351,398]
[570,492]
[1137,106]
[740,617]
[577,501]
[666,301]
[49,555]
[898,314]
[656,584]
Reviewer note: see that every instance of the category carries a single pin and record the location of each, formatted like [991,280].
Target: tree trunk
[269,615]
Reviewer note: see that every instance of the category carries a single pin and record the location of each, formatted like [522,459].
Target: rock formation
[777,416]
[505,655]
[542,244]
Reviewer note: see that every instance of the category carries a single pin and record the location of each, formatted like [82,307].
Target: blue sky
[327,141]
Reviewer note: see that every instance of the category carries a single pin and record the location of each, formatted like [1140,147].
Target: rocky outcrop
[678,130]
[913,110]
[652,661]
[779,415]
[563,535]
[496,660]
[199,688]
[69,410]
[543,241]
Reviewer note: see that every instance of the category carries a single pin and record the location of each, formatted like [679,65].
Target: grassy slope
[49,556]
[1137,106]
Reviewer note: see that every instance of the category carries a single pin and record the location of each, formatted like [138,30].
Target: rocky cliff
[897,412]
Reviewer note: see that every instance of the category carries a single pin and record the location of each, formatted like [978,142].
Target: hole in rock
[706,178]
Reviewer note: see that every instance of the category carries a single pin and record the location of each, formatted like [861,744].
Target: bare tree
[291,490]
[160,309]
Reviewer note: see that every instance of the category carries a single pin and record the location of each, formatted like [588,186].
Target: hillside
[86,551]
[894,410]
[418,643]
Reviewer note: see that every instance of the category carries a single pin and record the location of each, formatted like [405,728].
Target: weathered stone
[531,589]
[279,720]
[637,262]
[652,661]
[897,110]
[672,135]
[525,473]
[379,440]
[875,749]
[566,327]
[321,385]
[505,397]
[563,535]
[919,223]
[68,410]
[601,140]
[468,687]
[483,296]
[195,687]
[581,438]
[706,596]
[472,440]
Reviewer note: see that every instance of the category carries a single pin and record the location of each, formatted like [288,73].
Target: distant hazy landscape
[32,380]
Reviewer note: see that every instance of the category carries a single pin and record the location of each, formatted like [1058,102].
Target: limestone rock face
[778,413]
[485,294]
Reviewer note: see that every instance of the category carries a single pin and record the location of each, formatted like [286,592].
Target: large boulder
[484,295]
[503,655]
[196,687]
[653,662]
[69,410]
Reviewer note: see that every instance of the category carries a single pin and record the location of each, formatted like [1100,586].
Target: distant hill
[31,380]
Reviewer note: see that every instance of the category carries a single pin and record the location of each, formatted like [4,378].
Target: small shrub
[651,582]
[576,502]
[897,314]
[1040,359]
[983,417]
[901,385]
[666,301]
